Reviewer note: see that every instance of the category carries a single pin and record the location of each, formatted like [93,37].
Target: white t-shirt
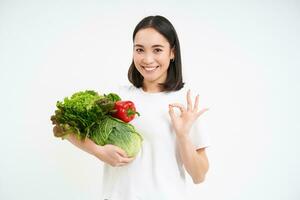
[157,172]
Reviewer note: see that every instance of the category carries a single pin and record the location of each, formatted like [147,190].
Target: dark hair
[174,80]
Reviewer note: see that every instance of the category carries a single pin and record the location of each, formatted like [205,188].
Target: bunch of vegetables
[102,118]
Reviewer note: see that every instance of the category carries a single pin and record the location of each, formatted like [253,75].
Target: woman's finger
[196,103]
[202,111]
[171,112]
[121,152]
[189,100]
[126,160]
[119,164]
[178,105]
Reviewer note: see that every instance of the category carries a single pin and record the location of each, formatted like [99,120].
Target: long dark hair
[174,80]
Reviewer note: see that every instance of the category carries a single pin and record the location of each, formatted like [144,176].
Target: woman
[172,142]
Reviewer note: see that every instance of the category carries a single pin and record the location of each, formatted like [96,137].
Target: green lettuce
[78,113]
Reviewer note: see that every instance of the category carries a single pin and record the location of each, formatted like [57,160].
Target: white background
[243,56]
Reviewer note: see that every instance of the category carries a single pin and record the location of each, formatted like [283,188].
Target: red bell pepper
[125,111]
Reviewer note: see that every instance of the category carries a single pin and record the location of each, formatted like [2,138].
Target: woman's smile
[150,68]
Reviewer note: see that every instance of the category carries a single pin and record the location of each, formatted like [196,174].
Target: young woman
[173,142]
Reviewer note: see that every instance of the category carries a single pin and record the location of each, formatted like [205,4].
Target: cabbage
[114,131]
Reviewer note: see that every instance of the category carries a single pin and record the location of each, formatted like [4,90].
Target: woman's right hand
[113,155]
[110,154]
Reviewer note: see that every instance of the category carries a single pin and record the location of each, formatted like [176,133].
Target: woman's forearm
[86,145]
[109,154]
[195,164]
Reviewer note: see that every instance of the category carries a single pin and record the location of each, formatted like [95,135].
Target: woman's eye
[157,50]
[139,50]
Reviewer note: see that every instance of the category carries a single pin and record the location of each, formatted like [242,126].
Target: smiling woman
[174,144]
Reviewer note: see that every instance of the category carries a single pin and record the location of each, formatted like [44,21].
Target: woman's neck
[152,88]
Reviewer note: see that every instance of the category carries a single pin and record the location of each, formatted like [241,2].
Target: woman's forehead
[149,37]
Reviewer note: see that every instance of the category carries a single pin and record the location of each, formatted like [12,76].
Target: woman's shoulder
[181,94]
[195,89]
[186,87]
[127,88]
[125,91]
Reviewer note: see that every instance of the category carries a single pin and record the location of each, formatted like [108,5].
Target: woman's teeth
[149,69]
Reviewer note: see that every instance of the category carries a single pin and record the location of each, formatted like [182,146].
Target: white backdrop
[243,56]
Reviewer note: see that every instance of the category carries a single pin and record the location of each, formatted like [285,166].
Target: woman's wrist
[97,150]
[182,137]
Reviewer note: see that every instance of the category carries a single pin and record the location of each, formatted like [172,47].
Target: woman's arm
[86,145]
[109,154]
[194,161]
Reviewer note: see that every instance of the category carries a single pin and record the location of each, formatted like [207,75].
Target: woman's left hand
[183,123]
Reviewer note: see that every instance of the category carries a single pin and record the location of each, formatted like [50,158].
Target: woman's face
[152,55]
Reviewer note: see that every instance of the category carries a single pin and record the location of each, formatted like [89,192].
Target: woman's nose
[148,59]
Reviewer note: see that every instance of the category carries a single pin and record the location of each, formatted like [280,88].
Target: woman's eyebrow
[156,45]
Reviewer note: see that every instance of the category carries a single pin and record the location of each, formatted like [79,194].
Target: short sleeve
[199,135]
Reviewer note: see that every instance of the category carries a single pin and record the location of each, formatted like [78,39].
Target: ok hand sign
[183,123]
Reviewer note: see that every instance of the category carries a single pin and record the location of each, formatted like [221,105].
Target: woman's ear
[173,51]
